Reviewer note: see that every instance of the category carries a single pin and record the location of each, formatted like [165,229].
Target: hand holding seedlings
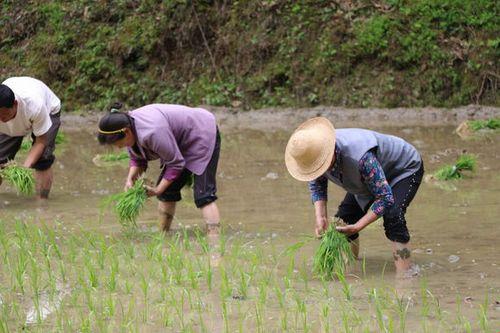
[348,229]
[333,254]
[321,226]
[151,191]
[21,178]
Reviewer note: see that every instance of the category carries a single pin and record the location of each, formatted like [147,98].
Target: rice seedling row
[153,283]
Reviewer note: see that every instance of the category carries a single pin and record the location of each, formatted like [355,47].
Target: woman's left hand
[151,191]
[349,229]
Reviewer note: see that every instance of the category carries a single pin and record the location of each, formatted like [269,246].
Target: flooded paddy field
[68,266]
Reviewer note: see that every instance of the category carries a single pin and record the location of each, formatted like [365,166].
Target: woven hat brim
[322,163]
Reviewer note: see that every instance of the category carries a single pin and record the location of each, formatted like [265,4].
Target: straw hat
[310,150]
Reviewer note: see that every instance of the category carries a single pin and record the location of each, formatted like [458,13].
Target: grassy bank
[256,53]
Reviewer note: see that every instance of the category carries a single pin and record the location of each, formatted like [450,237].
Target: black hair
[7,97]
[113,121]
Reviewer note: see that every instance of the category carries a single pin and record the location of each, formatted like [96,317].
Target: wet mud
[454,228]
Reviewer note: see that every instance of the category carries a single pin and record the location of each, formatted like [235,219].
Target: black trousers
[204,187]
[394,218]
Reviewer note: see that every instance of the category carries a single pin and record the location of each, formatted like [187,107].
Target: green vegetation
[128,204]
[19,177]
[465,162]
[57,280]
[25,145]
[477,125]
[60,138]
[333,254]
[114,157]
[256,53]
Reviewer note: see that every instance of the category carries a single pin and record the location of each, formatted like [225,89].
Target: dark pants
[10,145]
[204,188]
[394,218]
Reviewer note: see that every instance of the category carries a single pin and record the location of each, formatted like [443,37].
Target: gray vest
[398,158]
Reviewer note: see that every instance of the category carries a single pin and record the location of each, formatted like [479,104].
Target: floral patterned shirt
[373,176]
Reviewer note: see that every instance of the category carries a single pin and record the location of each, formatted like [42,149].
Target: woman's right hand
[321,226]
[128,184]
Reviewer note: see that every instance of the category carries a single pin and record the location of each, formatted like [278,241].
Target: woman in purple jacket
[185,139]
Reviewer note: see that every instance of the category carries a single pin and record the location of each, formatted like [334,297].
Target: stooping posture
[381,174]
[186,140]
[27,105]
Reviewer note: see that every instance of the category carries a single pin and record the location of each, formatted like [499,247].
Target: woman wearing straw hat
[381,174]
[186,140]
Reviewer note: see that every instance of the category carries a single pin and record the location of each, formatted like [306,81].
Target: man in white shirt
[27,105]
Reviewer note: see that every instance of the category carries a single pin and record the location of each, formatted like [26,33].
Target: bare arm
[350,229]
[133,173]
[36,151]
[160,188]
[320,210]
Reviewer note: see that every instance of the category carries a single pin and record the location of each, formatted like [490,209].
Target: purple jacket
[180,136]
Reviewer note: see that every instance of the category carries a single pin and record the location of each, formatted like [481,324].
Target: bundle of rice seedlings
[465,162]
[128,204]
[19,177]
[114,157]
[477,125]
[333,254]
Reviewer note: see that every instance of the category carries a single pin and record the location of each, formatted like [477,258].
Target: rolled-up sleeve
[318,189]
[374,177]
[165,145]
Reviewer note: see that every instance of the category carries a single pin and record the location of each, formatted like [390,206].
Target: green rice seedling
[346,287]
[128,204]
[287,282]
[225,288]
[402,310]
[284,320]
[209,275]
[333,254]
[185,239]
[19,177]
[302,311]
[424,296]
[111,157]
[258,317]
[112,281]
[202,240]
[280,296]
[477,125]
[483,316]
[325,323]
[465,162]
[225,315]
[144,283]
[244,283]
[262,292]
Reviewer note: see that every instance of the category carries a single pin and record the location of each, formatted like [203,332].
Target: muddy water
[454,230]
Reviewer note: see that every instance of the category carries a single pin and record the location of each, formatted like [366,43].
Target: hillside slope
[256,53]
